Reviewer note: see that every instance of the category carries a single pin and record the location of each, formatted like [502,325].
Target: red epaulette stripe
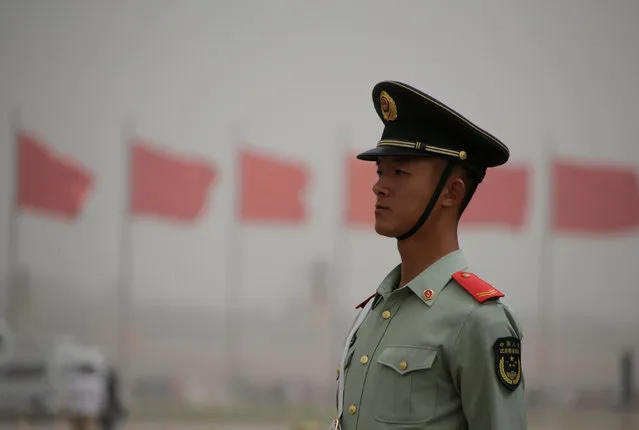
[361,305]
[477,287]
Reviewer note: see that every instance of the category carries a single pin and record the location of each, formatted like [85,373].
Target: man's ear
[454,193]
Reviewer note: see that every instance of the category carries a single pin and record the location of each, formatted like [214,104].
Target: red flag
[501,199]
[272,189]
[167,185]
[360,200]
[594,198]
[48,182]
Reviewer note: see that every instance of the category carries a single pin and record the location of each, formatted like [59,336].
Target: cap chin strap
[440,186]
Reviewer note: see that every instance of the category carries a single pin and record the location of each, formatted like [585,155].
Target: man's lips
[379,207]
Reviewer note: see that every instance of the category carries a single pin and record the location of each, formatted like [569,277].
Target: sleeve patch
[477,287]
[508,361]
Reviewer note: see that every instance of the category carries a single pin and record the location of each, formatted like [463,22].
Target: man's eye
[395,172]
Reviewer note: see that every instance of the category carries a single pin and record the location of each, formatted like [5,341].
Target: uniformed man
[112,408]
[434,347]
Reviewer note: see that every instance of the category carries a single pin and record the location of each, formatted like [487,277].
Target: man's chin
[386,231]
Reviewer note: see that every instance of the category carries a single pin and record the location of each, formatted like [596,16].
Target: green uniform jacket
[430,355]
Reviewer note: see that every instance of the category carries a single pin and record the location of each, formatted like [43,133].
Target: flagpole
[234,254]
[13,244]
[546,258]
[125,266]
[341,253]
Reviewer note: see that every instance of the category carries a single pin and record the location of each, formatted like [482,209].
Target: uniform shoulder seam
[461,328]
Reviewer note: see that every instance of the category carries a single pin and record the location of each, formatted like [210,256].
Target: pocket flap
[406,359]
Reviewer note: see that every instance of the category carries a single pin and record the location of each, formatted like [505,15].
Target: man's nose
[379,189]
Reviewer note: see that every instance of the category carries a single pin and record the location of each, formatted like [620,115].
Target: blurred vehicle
[26,389]
[34,378]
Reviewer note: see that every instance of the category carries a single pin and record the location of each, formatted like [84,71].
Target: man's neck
[419,253]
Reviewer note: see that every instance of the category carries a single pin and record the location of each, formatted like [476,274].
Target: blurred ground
[575,420]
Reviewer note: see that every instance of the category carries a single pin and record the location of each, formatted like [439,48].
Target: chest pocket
[406,385]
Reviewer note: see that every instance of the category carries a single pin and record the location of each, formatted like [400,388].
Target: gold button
[465,275]
[463,155]
[386,315]
[363,359]
[352,409]
[403,365]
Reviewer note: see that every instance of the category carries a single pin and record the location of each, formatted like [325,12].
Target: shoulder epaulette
[477,287]
[361,305]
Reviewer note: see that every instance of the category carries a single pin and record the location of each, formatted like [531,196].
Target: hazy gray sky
[289,73]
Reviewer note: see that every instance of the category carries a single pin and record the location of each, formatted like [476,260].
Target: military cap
[416,124]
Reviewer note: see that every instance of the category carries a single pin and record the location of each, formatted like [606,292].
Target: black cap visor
[391,151]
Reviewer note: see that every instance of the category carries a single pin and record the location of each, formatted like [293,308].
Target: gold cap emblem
[389,109]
